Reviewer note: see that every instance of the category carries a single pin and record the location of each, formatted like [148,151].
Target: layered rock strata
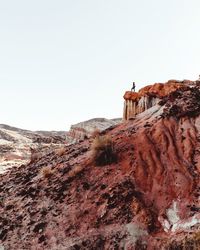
[16,144]
[83,130]
[137,102]
[148,199]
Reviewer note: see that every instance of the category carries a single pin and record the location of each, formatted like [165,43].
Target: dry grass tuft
[95,133]
[60,151]
[103,151]
[191,242]
[34,155]
[75,171]
[47,172]
[34,158]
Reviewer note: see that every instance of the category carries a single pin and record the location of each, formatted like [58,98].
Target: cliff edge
[147,97]
[146,197]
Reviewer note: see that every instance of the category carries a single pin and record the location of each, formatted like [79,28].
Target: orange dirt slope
[143,201]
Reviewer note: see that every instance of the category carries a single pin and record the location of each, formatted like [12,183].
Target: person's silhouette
[133,88]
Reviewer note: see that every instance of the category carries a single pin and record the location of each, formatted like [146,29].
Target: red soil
[159,90]
[117,206]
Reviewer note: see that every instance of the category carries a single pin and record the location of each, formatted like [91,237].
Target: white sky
[65,61]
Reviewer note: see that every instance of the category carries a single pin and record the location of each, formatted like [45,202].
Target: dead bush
[103,151]
[74,171]
[95,133]
[34,158]
[47,172]
[34,155]
[191,242]
[60,151]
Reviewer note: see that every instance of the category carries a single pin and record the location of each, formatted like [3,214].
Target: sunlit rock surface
[148,199]
[147,97]
[16,144]
[83,130]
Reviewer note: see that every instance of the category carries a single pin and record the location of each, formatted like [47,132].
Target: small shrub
[34,155]
[95,133]
[47,172]
[34,158]
[74,171]
[60,151]
[103,152]
[191,242]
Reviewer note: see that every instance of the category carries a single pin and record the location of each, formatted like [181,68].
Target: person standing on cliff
[133,88]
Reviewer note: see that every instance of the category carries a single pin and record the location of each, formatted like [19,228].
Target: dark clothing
[133,88]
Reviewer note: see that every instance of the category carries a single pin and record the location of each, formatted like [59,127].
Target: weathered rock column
[130,105]
[149,96]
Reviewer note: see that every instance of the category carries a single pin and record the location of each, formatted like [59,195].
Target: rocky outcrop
[137,102]
[148,199]
[16,144]
[133,107]
[83,130]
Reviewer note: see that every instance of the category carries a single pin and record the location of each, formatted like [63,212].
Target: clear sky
[65,61]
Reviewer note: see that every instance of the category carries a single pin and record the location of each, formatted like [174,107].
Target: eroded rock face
[182,102]
[137,102]
[16,144]
[83,130]
[144,201]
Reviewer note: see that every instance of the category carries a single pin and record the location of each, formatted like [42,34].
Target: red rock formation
[144,201]
[137,102]
[16,144]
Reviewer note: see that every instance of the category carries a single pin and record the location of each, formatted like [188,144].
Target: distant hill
[137,187]
[16,143]
[85,129]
